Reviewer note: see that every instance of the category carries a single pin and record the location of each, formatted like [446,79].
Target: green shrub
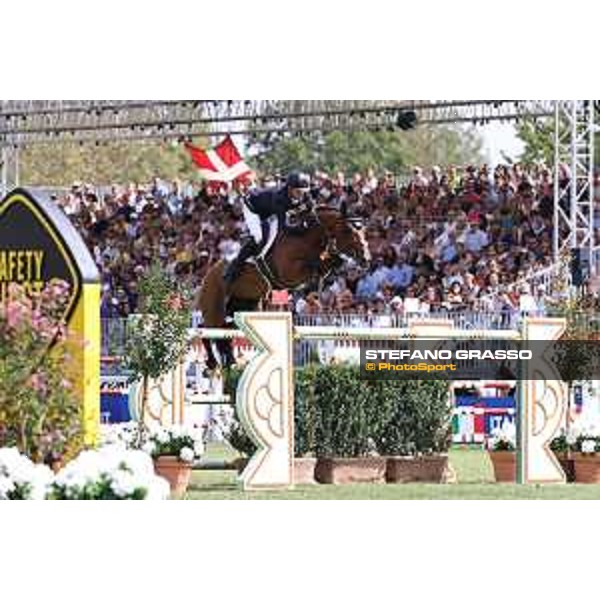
[350,412]
[338,414]
[421,420]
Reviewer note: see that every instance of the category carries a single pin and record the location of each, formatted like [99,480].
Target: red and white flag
[221,163]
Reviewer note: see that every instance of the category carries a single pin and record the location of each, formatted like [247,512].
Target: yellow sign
[37,244]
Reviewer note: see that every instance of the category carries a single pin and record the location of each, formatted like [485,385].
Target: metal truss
[574,179]
[9,169]
[27,122]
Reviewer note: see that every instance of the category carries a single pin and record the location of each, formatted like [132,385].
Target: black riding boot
[233,269]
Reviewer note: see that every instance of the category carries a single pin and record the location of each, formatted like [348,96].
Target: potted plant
[20,478]
[350,413]
[502,452]
[417,437]
[157,340]
[240,441]
[586,453]
[562,450]
[157,337]
[110,473]
[174,450]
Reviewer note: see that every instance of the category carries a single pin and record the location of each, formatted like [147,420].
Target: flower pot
[175,471]
[304,471]
[367,469]
[567,464]
[587,467]
[505,466]
[409,469]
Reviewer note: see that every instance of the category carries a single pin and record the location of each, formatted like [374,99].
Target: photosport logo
[479,359]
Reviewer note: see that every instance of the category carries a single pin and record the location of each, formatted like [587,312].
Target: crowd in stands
[451,239]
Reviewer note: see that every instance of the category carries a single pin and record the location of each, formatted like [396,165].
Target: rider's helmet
[298,181]
[298,188]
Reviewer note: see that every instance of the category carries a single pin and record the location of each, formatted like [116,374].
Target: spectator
[461,236]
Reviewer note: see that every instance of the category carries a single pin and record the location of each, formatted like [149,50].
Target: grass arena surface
[472,466]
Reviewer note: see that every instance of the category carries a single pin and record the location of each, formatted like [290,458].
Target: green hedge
[338,414]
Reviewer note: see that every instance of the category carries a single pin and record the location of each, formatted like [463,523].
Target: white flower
[123,484]
[588,446]
[149,447]
[162,436]
[571,437]
[187,454]
[126,471]
[20,476]
[7,485]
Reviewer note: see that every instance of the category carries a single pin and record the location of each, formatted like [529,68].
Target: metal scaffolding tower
[574,180]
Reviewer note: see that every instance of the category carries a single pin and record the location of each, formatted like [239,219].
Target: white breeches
[255,228]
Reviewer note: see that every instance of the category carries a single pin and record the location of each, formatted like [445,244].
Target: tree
[158,336]
[538,137]
[60,164]
[357,151]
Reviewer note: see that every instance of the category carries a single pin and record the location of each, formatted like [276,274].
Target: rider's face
[296,193]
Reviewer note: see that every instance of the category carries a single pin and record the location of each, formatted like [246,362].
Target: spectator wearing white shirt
[475,239]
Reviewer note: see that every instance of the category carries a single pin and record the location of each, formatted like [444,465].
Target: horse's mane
[325,208]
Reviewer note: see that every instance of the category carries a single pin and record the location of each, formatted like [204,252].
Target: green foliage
[158,337]
[538,137]
[100,489]
[421,420]
[572,354]
[39,413]
[305,411]
[559,444]
[351,413]
[338,414]
[60,164]
[358,151]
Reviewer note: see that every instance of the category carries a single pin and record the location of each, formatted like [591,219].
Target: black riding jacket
[268,202]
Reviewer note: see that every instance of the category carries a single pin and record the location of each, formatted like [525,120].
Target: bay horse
[293,260]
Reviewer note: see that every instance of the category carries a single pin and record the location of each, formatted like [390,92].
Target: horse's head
[348,234]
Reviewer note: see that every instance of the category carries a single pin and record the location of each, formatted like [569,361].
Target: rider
[259,206]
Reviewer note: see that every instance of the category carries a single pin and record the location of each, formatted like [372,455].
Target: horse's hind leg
[225,348]
[211,360]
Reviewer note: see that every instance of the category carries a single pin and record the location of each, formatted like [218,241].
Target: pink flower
[15,314]
[38,383]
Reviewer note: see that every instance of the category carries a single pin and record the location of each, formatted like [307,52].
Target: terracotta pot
[175,471]
[367,469]
[409,469]
[304,471]
[587,467]
[505,466]
[567,465]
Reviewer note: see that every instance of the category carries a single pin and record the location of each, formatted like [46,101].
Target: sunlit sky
[498,138]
